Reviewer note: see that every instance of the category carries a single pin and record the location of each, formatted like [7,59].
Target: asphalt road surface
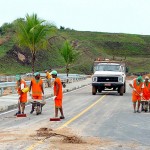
[106,115]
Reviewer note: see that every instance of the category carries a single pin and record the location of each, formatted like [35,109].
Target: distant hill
[134,49]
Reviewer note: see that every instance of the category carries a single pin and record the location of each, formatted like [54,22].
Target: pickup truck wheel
[121,90]
[99,90]
[94,90]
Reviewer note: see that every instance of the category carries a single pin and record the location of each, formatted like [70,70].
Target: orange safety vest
[37,87]
[60,93]
[146,91]
[23,96]
[138,87]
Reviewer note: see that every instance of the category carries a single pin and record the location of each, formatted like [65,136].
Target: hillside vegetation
[134,49]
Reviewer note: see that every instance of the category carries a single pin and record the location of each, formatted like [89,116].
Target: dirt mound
[44,132]
[48,133]
[68,138]
[72,139]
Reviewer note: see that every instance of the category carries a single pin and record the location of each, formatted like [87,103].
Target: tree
[6,28]
[62,28]
[69,54]
[32,33]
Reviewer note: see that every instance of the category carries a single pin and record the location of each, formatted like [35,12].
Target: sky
[114,16]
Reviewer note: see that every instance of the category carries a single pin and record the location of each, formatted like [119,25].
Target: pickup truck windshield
[116,68]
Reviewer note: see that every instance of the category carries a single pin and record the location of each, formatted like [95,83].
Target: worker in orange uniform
[21,84]
[58,94]
[36,86]
[136,85]
[48,78]
[146,94]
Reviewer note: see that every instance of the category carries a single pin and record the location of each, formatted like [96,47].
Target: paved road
[105,115]
[113,118]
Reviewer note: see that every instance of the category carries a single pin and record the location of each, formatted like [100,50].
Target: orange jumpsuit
[146,91]
[23,96]
[58,99]
[36,88]
[135,95]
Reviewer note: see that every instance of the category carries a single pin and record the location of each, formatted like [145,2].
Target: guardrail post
[7,78]
[13,90]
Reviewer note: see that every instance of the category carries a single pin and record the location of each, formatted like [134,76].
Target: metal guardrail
[12,85]
[62,76]
[71,78]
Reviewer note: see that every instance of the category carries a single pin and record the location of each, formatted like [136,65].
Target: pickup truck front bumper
[98,84]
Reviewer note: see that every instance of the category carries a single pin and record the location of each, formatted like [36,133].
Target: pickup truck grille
[107,79]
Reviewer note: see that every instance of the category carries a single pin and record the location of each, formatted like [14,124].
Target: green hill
[134,49]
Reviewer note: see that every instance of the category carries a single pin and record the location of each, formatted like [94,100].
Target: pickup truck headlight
[120,79]
[94,79]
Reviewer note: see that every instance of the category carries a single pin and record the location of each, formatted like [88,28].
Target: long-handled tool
[54,119]
[21,115]
[139,94]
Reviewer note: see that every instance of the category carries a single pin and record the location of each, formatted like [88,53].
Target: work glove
[54,97]
[134,89]
[141,94]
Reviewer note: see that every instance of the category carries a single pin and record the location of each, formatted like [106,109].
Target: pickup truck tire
[94,90]
[99,90]
[124,88]
[121,90]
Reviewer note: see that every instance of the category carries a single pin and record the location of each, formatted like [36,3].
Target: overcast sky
[116,16]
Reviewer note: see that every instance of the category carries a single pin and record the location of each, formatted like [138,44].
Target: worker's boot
[17,113]
[142,107]
[32,110]
[62,117]
[146,106]
[138,111]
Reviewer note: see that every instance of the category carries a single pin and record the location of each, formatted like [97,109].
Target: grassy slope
[91,45]
[135,48]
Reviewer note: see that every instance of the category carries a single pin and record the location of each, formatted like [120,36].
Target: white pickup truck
[109,75]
